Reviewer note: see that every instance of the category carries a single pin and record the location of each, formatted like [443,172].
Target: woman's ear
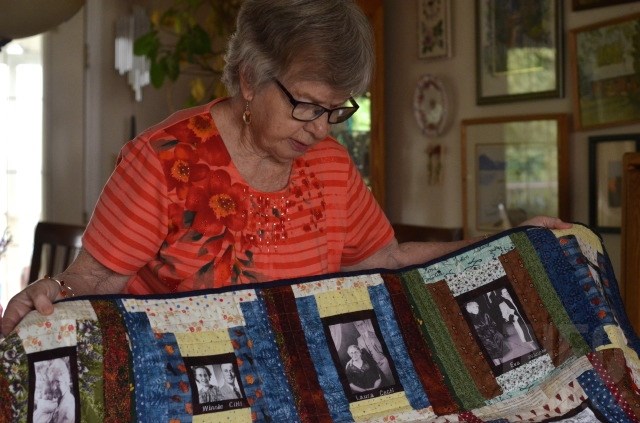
[246,84]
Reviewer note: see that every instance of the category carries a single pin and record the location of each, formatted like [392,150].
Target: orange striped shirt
[177,215]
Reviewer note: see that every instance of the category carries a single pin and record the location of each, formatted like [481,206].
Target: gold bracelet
[65,290]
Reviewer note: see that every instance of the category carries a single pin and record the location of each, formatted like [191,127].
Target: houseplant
[187,39]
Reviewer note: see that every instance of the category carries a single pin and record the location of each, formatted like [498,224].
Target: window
[20,157]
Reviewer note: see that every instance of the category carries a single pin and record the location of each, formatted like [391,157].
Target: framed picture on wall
[604,72]
[513,168]
[605,179]
[591,4]
[434,29]
[519,50]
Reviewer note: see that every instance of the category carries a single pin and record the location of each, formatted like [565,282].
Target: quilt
[525,326]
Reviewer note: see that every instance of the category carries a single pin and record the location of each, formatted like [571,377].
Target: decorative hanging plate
[430,105]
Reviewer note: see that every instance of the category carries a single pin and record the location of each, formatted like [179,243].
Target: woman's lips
[298,146]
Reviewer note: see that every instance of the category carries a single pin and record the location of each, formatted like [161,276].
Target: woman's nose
[319,127]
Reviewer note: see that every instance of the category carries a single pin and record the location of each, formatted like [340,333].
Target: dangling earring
[246,116]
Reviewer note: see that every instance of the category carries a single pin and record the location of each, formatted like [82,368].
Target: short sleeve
[368,229]
[129,222]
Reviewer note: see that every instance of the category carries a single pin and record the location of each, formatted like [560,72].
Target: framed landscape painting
[513,168]
[519,50]
[606,73]
[605,179]
[591,4]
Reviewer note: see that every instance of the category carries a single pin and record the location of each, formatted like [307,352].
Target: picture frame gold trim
[519,59]
[606,86]
[520,162]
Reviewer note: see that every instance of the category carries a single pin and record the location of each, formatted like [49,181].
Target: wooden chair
[630,234]
[414,233]
[55,246]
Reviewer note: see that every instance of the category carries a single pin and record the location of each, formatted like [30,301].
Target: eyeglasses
[306,112]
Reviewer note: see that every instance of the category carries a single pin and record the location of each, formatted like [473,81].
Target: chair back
[415,233]
[55,246]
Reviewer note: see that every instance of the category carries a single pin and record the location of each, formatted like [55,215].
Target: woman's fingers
[38,296]
[547,222]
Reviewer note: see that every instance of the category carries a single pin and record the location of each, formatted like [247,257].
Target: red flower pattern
[206,206]
[200,133]
[217,205]
[182,169]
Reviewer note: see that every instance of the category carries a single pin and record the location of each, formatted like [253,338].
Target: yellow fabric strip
[583,234]
[387,404]
[204,343]
[241,415]
[343,301]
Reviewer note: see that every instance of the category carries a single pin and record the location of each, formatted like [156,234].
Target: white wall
[63,148]
[409,198]
[89,106]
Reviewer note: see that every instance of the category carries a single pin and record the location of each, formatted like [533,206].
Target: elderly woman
[248,188]
[362,375]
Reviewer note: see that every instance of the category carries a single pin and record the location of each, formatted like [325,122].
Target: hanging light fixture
[24,18]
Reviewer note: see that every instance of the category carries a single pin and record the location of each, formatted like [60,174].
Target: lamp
[24,18]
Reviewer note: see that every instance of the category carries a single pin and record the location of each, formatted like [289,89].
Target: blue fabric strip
[612,291]
[177,380]
[561,275]
[321,356]
[587,286]
[266,359]
[249,373]
[149,370]
[600,397]
[397,348]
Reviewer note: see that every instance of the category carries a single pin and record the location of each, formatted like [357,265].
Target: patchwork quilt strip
[527,325]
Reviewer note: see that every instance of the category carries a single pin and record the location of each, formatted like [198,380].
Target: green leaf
[214,238]
[172,66]
[197,41]
[147,45]
[204,269]
[157,74]
[187,217]
[169,144]
[250,275]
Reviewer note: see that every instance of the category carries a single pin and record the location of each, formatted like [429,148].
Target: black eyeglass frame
[330,112]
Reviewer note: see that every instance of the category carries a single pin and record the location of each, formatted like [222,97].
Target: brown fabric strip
[473,358]
[118,400]
[428,372]
[615,367]
[546,332]
[308,395]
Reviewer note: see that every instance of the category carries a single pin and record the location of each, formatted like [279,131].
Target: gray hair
[327,41]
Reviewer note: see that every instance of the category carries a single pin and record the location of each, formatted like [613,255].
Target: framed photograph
[604,73]
[519,50]
[605,179]
[361,357]
[434,29]
[56,396]
[591,4]
[496,318]
[215,383]
[513,168]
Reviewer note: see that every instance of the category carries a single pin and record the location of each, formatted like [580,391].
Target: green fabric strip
[14,368]
[548,294]
[90,360]
[437,335]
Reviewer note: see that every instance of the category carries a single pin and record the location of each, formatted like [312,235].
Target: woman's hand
[36,296]
[547,222]
[85,276]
